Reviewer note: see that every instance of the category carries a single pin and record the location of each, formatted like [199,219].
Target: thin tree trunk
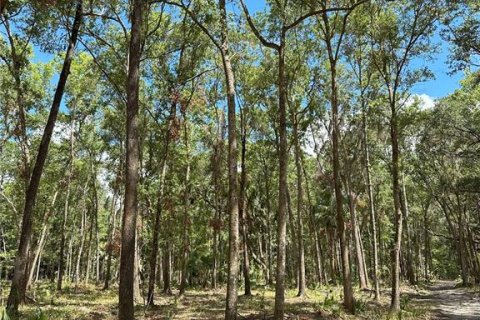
[111,235]
[301,247]
[356,239]
[186,208]
[395,304]
[371,206]
[158,212]
[17,290]
[243,207]
[405,213]
[41,241]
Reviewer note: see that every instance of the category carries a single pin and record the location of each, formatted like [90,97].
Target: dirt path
[448,302]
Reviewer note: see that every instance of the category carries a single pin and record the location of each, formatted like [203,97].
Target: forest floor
[446,301]
[439,301]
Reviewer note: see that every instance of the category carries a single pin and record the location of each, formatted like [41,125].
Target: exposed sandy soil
[448,302]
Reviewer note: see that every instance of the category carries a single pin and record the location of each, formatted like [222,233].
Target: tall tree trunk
[371,205]
[17,290]
[111,235]
[216,177]
[347,282]
[395,304]
[409,255]
[83,225]
[129,221]
[243,206]
[232,281]
[158,212]
[61,264]
[186,208]
[356,238]
[282,184]
[41,241]
[301,247]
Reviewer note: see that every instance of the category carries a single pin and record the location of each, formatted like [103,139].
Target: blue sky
[442,85]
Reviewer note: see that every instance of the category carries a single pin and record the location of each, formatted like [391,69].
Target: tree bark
[371,205]
[395,303]
[409,257]
[186,208]
[129,221]
[232,282]
[243,206]
[301,247]
[282,185]
[17,290]
[109,249]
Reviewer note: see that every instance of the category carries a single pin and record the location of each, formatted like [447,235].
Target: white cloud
[424,101]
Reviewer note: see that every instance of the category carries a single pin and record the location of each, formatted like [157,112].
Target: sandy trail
[448,302]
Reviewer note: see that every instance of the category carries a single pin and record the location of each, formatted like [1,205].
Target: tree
[18,287]
[129,221]
[395,45]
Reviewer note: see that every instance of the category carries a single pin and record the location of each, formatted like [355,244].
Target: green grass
[92,303]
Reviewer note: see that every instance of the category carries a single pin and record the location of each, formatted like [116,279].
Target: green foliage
[3,314]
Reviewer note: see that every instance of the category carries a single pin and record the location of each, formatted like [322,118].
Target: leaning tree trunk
[17,290]
[129,221]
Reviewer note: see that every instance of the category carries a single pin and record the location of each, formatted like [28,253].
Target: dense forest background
[164,147]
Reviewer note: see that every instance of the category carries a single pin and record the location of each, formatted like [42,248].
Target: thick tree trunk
[129,221]
[17,290]
[232,281]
